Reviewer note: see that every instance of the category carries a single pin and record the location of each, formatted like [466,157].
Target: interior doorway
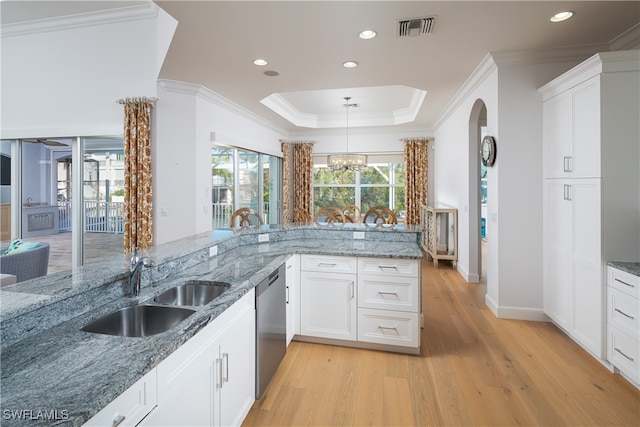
[478,196]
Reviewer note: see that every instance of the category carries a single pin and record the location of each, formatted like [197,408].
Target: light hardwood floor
[474,370]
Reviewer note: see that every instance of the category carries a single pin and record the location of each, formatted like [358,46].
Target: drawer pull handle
[623,313]
[391,267]
[625,283]
[620,351]
[388,293]
[118,420]
[219,369]
[225,361]
[326,264]
[390,328]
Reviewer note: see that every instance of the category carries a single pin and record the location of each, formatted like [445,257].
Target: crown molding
[216,99]
[110,16]
[630,39]
[479,75]
[547,56]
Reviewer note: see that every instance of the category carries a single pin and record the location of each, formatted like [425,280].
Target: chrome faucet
[135,267]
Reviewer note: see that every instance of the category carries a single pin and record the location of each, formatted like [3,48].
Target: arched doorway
[477,194]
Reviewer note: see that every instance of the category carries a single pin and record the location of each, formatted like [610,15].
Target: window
[379,184]
[242,178]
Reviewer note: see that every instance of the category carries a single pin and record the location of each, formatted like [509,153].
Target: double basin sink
[170,309]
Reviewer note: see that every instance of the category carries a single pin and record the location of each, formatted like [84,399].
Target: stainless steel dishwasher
[271,327]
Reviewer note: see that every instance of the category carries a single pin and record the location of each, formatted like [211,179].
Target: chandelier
[347,161]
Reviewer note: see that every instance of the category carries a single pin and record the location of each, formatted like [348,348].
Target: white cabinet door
[558,270]
[328,305]
[585,147]
[557,130]
[292,292]
[573,286]
[236,364]
[588,286]
[572,132]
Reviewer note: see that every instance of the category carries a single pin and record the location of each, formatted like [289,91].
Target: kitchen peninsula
[51,370]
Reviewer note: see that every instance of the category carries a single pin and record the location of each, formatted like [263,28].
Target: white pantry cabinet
[293,289]
[591,194]
[210,380]
[328,297]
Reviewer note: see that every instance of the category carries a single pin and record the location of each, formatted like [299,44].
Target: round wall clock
[488,150]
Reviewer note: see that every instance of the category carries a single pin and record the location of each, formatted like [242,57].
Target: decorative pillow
[19,245]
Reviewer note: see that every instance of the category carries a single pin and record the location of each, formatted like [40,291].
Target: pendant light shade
[347,161]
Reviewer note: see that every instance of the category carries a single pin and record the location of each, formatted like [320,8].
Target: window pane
[374,196]
[270,188]
[375,174]
[324,175]
[398,201]
[333,196]
[398,173]
[248,184]
[221,186]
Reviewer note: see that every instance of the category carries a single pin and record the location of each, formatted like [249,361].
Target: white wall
[64,82]
[185,117]
[514,247]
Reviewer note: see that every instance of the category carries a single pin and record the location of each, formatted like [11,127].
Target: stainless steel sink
[193,293]
[139,321]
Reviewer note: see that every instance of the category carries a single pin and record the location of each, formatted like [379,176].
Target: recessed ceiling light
[367,34]
[271,73]
[260,62]
[350,64]
[561,16]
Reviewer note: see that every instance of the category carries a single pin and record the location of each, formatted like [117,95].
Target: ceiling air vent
[415,26]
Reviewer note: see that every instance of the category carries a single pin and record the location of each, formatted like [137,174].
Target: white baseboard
[517,313]
[471,278]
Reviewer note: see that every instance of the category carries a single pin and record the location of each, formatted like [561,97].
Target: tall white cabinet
[591,195]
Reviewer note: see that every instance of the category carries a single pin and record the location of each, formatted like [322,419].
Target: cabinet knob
[118,420]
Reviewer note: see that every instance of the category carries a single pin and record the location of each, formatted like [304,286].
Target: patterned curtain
[297,186]
[138,196]
[416,163]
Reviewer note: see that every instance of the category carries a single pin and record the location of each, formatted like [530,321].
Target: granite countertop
[65,369]
[629,267]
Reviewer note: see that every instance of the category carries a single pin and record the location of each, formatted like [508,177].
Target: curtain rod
[133,100]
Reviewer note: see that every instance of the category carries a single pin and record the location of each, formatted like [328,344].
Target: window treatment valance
[297,182]
[416,161]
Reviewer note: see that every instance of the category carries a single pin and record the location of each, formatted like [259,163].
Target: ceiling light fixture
[367,34]
[561,16]
[347,161]
[350,64]
[260,62]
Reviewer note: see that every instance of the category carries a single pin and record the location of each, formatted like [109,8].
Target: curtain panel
[416,163]
[138,194]
[297,186]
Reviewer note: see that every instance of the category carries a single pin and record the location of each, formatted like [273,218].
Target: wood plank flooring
[474,370]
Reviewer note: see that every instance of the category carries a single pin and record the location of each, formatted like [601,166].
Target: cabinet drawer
[388,327]
[623,351]
[389,267]
[131,406]
[626,282]
[623,311]
[388,293]
[328,264]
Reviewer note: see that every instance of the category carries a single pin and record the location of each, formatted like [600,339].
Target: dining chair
[379,215]
[352,212]
[329,215]
[245,218]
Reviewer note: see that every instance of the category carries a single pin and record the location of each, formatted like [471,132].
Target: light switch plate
[213,251]
[358,235]
[263,238]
